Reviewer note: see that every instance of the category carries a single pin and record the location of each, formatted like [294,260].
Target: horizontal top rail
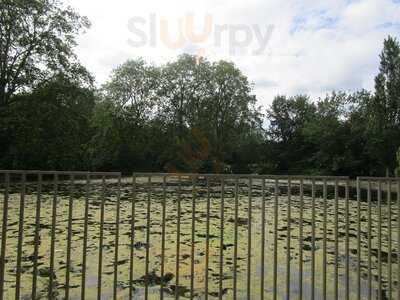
[60,172]
[379,178]
[256,176]
[150,174]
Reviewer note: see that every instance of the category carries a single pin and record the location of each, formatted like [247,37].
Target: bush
[398,163]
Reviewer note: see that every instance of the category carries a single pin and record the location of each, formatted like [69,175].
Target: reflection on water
[139,247]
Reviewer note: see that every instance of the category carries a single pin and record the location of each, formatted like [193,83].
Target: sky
[284,47]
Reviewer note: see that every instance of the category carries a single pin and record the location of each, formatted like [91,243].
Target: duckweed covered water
[140,245]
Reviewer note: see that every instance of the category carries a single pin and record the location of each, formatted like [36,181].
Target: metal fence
[198,236]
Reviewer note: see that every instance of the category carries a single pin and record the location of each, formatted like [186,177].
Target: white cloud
[315,47]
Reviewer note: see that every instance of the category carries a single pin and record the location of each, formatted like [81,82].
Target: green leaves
[343,133]
[36,43]
[384,108]
[48,128]
[186,115]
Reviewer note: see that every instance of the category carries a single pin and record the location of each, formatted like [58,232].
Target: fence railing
[199,236]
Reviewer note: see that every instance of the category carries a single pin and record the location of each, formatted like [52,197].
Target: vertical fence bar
[193,238]
[85,237]
[163,217]
[53,236]
[347,245]
[133,221]
[301,239]
[178,239]
[207,238]
[324,256]
[37,236]
[116,249]
[69,235]
[221,245]
[275,279]
[235,249]
[369,241]
[148,232]
[4,233]
[398,239]
[389,206]
[336,279]
[262,240]
[379,240]
[313,239]
[20,236]
[249,241]
[101,237]
[288,237]
[358,239]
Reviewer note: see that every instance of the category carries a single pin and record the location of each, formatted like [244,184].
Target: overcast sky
[284,47]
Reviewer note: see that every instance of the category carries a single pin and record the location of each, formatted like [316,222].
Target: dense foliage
[187,115]
[398,163]
[190,114]
[36,41]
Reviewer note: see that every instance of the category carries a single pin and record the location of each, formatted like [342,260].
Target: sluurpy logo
[179,33]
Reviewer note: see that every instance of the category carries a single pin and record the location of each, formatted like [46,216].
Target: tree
[184,88]
[48,128]
[122,117]
[337,135]
[324,137]
[187,115]
[36,42]
[327,135]
[360,160]
[208,106]
[233,113]
[384,109]
[287,118]
[133,87]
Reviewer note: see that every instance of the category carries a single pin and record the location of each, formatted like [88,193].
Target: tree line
[188,115]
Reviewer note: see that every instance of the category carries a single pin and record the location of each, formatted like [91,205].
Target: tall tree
[384,109]
[123,114]
[184,89]
[233,112]
[287,118]
[327,135]
[37,38]
[360,159]
[184,85]
[208,105]
[133,87]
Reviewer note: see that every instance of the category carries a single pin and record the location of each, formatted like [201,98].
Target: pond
[172,199]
